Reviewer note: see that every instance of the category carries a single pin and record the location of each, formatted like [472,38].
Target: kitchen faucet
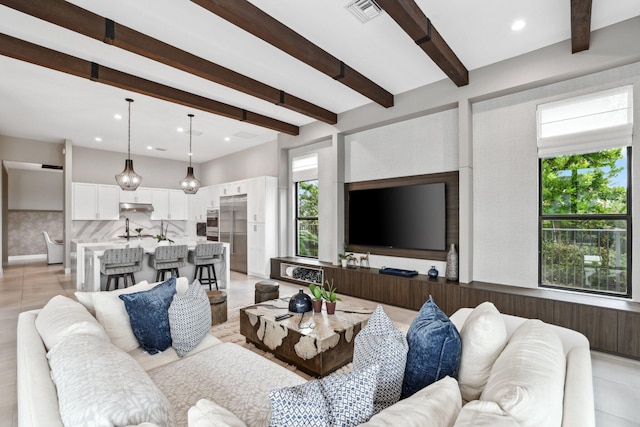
[126,228]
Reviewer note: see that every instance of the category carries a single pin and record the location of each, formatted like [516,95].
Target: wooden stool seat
[218,301]
[266,290]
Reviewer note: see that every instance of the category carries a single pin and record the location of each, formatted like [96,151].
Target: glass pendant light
[190,184]
[128,179]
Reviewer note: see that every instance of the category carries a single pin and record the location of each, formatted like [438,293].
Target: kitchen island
[86,268]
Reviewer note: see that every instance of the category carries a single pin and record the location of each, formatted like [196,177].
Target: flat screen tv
[405,217]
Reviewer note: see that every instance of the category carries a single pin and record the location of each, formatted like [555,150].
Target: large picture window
[585,193]
[585,226]
[307,218]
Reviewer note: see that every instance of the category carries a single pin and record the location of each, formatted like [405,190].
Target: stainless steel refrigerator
[233,229]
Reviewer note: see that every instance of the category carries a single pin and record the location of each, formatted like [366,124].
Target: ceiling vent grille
[364,10]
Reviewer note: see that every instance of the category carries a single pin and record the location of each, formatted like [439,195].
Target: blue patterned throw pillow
[380,342]
[343,400]
[189,318]
[434,349]
[148,314]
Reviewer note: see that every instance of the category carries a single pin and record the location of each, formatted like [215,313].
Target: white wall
[40,190]
[262,160]
[506,176]
[427,144]
[99,166]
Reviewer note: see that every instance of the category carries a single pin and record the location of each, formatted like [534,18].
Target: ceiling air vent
[364,10]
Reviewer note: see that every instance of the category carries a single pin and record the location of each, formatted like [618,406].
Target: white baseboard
[22,258]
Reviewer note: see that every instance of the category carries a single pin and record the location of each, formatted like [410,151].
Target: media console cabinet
[612,325]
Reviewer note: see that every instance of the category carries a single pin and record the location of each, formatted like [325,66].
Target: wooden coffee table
[316,343]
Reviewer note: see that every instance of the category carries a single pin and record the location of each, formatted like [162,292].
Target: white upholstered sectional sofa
[219,384]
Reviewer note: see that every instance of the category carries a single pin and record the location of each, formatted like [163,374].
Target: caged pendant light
[128,179]
[190,184]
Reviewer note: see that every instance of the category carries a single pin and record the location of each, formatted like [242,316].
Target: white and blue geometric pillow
[336,400]
[380,342]
[189,318]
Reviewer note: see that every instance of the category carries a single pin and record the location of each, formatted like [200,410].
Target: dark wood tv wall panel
[612,326]
[452,199]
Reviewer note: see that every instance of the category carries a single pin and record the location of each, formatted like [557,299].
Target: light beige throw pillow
[61,317]
[483,337]
[527,379]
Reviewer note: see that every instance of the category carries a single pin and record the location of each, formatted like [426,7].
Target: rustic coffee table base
[326,344]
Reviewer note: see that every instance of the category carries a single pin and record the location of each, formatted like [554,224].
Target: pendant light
[128,179]
[190,184]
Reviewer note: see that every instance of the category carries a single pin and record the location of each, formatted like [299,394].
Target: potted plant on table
[316,291]
[330,297]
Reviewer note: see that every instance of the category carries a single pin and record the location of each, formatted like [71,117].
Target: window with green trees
[307,218]
[585,221]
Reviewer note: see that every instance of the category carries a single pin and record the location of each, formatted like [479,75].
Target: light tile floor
[30,285]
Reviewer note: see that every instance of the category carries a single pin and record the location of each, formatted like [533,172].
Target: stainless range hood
[136,207]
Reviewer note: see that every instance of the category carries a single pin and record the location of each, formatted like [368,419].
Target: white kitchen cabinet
[95,201]
[169,204]
[262,197]
[256,260]
[178,205]
[140,195]
[262,225]
[233,188]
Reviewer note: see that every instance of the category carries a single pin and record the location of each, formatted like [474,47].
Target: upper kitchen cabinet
[233,188]
[169,204]
[262,199]
[140,195]
[95,201]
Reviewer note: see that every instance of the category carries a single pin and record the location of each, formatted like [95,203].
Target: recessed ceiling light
[149,147]
[180,129]
[98,139]
[227,139]
[518,25]
[117,116]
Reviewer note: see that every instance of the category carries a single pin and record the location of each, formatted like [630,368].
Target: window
[584,146]
[307,218]
[305,176]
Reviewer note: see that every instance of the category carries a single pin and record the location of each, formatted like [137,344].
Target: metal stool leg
[215,278]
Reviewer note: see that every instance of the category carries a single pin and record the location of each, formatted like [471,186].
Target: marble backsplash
[25,231]
[97,230]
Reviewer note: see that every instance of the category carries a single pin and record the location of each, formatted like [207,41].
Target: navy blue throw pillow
[434,349]
[149,316]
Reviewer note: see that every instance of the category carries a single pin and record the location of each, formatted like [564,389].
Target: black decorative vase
[433,273]
[300,303]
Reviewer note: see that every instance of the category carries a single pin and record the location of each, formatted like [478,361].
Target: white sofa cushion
[99,384]
[480,413]
[527,379]
[206,413]
[189,318]
[436,405]
[483,337]
[380,342]
[240,381]
[61,317]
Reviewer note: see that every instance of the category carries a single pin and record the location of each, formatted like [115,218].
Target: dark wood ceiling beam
[48,58]
[412,20]
[74,18]
[250,18]
[580,25]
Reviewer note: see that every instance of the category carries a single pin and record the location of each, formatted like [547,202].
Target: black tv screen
[406,217]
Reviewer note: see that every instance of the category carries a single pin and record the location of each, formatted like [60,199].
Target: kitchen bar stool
[121,263]
[168,259]
[206,255]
